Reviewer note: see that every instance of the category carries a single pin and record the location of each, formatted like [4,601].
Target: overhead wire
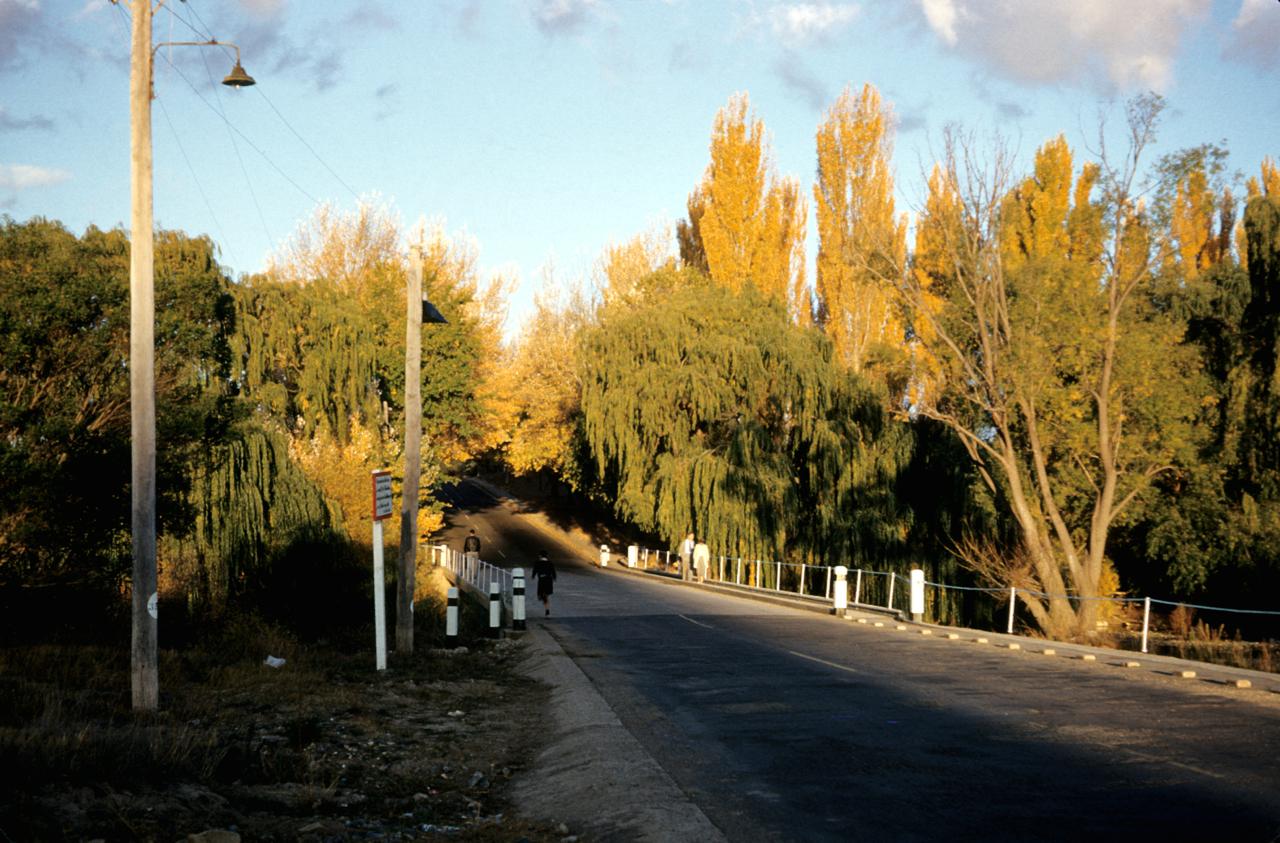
[201,29]
[266,230]
[280,115]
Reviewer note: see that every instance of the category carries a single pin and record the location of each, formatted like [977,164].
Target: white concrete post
[777,585]
[721,569]
[1146,620]
[633,555]
[841,601]
[517,598]
[893,580]
[917,595]
[802,573]
[379,600]
[495,609]
[827,591]
[451,618]
[604,556]
[738,573]
[857,587]
[1013,596]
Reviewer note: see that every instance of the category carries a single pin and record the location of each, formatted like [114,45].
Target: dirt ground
[320,748]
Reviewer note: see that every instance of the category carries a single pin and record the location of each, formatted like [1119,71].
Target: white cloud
[1128,45]
[941,15]
[24,176]
[19,23]
[555,17]
[797,24]
[263,8]
[1255,34]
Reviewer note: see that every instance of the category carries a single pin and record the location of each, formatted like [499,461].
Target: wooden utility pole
[142,380]
[405,581]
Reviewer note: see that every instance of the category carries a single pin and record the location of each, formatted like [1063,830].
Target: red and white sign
[383,501]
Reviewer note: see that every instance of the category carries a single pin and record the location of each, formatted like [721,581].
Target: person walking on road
[471,546]
[686,556]
[701,560]
[545,573]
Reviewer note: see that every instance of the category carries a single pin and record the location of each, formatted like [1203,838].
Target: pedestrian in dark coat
[545,573]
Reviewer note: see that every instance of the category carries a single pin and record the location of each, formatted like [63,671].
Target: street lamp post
[417,311]
[142,383]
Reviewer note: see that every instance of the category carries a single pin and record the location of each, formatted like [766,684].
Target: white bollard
[917,595]
[604,556]
[379,600]
[841,601]
[495,609]
[451,618]
[857,588]
[893,580]
[1146,620]
[1013,601]
[633,555]
[517,598]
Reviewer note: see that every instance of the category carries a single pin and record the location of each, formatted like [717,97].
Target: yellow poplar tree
[861,241]
[745,224]
[1267,185]
[931,269]
[541,386]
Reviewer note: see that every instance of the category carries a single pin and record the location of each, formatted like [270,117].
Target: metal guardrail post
[1013,596]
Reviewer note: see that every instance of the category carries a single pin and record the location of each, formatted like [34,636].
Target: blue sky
[548,129]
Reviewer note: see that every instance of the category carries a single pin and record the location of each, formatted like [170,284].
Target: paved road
[780,724]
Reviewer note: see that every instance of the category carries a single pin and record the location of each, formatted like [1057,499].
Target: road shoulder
[593,775]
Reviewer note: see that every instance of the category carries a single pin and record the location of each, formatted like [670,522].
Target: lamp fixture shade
[430,315]
[237,78]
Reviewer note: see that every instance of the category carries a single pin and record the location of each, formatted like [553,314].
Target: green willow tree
[707,410]
[64,392]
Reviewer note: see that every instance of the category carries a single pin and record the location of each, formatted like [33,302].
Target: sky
[546,130]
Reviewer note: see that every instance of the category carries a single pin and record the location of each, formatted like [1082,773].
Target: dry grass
[322,748]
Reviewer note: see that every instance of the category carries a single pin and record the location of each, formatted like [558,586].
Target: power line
[280,115]
[178,140]
[243,136]
[323,163]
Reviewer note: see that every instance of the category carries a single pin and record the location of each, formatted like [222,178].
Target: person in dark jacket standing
[545,573]
[471,546]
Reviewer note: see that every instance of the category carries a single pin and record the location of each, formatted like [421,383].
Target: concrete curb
[594,774]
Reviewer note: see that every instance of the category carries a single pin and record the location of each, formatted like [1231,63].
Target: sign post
[383,502]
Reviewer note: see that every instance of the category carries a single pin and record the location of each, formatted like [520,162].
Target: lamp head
[432,315]
[237,78]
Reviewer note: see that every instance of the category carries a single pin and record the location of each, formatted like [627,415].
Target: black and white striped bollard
[517,598]
[495,610]
[451,619]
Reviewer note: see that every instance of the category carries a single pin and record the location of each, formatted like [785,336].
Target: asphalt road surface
[782,724]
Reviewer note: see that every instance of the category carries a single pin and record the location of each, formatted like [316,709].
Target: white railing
[474,571]
[817,581]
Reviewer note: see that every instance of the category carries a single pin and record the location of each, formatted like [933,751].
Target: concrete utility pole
[405,581]
[142,380]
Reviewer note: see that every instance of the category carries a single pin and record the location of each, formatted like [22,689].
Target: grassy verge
[321,748]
